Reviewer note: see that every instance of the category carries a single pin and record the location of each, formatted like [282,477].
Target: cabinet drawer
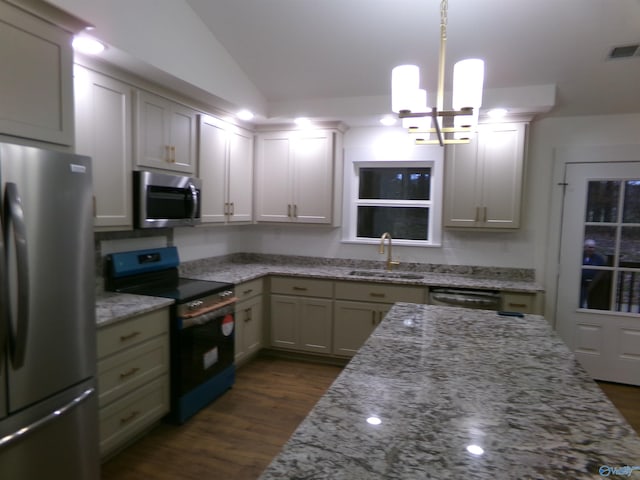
[249,289]
[131,368]
[302,286]
[519,302]
[124,419]
[131,332]
[379,292]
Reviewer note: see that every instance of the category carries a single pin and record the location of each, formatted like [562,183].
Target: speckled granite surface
[443,378]
[114,307]
[238,269]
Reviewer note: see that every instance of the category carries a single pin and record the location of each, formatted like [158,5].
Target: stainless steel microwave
[165,200]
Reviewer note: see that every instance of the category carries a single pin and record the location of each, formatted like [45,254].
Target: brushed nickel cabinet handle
[124,338]
[129,418]
[128,373]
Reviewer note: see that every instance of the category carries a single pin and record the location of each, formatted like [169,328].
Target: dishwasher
[458,297]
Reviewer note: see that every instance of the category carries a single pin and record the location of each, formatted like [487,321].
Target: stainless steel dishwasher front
[457,297]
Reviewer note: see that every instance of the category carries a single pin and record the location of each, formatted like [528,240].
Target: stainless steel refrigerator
[48,401]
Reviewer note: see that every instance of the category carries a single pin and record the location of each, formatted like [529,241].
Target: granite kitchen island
[442,379]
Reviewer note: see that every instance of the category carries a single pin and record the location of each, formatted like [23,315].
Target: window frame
[418,157]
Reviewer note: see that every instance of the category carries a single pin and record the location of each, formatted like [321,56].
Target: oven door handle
[185,322]
[202,311]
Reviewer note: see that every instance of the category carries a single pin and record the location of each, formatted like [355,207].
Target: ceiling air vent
[624,51]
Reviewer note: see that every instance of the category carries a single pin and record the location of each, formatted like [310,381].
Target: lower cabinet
[522,302]
[249,320]
[133,377]
[353,323]
[360,307]
[301,314]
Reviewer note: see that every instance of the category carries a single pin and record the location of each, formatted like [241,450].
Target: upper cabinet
[483,179]
[165,134]
[226,170]
[36,84]
[103,131]
[295,176]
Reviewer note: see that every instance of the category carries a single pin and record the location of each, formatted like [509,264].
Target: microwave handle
[194,201]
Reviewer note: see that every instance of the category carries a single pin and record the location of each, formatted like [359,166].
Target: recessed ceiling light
[475,449]
[245,114]
[303,122]
[88,45]
[497,113]
[388,120]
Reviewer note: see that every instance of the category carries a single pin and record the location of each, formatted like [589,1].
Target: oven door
[206,347]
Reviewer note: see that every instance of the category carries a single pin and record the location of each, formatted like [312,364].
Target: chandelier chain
[444,5]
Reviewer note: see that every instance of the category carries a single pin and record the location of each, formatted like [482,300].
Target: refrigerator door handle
[4,312]
[14,214]
[43,421]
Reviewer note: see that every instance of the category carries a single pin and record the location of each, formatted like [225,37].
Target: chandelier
[409,101]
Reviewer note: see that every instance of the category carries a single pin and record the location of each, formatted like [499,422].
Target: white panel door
[598,312]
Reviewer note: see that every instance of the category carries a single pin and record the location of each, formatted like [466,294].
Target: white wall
[157,36]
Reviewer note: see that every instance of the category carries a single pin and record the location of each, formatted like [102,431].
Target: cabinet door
[213,156]
[35,78]
[284,324]
[273,189]
[502,150]
[248,338]
[165,134]
[353,323]
[313,178]
[182,138]
[462,186]
[103,131]
[484,179]
[314,329]
[240,176]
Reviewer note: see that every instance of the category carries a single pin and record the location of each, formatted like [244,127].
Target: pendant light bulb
[405,83]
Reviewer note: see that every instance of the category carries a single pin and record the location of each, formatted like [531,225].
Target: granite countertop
[443,378]
[238,272]
[114,307]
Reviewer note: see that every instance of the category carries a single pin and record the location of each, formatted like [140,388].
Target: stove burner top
[184,290]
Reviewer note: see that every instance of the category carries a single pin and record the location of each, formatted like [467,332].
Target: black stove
[155,273]
[201,330]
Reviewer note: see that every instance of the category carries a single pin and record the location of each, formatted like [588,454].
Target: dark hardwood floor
[237,436]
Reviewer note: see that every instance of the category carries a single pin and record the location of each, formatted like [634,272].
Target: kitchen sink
[380,274]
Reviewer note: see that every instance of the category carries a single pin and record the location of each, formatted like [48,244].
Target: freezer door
[48,221]
[58,440]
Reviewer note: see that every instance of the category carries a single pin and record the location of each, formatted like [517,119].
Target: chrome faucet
[390,262]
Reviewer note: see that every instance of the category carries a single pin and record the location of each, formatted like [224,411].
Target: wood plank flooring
[237,436]
[626,399]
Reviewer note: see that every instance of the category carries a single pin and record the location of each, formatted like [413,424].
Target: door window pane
[614,250]
[602,201]
[411,223]
[631,210]
[395,183]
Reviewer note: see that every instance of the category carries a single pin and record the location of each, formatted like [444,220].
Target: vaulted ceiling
[305,53]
